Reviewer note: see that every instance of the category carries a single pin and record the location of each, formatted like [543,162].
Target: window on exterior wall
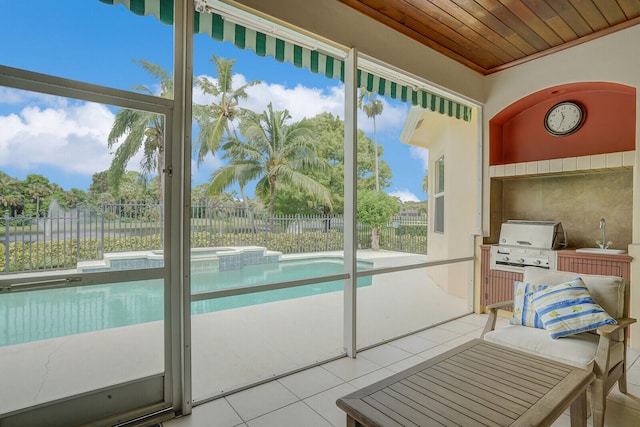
[438,220]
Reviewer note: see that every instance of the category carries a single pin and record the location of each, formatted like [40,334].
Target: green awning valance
[267,45]
[423,98]
[161,9]
[263,44]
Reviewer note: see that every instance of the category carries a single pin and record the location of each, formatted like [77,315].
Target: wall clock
[564,118]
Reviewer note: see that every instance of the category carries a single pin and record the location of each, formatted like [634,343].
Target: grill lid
[533,234]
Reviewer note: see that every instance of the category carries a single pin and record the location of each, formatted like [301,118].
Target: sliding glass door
[87,313]
[83,292]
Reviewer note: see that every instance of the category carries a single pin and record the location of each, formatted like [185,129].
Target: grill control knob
[537,262]
[505,258]
[520,260]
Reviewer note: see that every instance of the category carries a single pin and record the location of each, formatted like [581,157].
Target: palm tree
[372,107]
[10,196]
[216,120]
[425,181]
[37,188]
[143,130]
[272,151]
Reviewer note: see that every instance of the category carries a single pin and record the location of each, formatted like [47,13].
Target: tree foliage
[273,151]
[372,107]
[375,208]
[135,130]
[32,196]
[216,121]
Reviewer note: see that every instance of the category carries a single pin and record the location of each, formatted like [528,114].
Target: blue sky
[90,41]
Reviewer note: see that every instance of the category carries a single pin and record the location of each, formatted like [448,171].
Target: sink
[601,251]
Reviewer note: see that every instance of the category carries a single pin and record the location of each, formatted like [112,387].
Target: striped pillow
[568,309]
[523,312]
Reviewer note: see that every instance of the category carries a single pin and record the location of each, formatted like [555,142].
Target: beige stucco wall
[613,58]
[458,142]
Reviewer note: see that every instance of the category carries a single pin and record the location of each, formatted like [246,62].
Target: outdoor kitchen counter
[595,263]
[497,286]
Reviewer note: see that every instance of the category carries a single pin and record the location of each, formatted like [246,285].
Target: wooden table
[475,384]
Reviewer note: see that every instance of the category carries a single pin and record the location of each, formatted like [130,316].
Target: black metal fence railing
[63,238]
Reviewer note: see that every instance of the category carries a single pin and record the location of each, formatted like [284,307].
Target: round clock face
[564,118]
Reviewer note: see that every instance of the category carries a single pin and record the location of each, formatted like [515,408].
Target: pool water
[38,315]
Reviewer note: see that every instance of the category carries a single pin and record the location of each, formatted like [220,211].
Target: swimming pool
[38,315]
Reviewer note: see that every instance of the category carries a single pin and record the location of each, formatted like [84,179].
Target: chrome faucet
[603,243]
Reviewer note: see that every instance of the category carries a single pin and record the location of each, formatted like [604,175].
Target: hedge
[28,256]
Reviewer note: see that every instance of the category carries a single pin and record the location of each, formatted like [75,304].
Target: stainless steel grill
[528,243]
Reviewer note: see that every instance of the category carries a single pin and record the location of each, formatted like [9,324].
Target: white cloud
[12,96]
[405,195]
[306,102]
[202,173]
[393,117]
[69,136]
[421,154]
[300,101]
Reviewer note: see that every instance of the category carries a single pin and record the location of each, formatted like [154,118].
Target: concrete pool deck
[231,348]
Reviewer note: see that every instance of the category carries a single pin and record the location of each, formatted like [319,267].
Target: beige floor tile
[438,335]
[261,400]
[475,319]
[385,355]
[432,352]
[217,413]
[413,344]
[325,404]
[349,369]
[405,364]
[309,382]
[617,415]
[461,327]
[371,378]
[296,414]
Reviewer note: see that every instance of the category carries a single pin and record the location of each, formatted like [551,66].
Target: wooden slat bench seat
[475,384]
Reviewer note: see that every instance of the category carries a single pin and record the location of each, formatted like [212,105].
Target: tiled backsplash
[578,200]
[596,162]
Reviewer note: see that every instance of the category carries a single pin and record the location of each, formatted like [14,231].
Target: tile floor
[308,398]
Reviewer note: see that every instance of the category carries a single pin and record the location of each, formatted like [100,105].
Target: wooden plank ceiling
[491,35]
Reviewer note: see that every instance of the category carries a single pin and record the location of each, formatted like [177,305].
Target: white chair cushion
[607,291]
[576,350]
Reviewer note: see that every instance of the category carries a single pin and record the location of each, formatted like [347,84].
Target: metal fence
[63,238]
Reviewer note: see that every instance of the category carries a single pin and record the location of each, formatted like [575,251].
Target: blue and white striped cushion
[568,309]
[523,312]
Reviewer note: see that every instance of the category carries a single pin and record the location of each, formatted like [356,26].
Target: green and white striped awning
[267,45]
[222,29]
[372,83]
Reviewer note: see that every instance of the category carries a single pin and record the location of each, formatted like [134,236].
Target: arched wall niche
[517,133]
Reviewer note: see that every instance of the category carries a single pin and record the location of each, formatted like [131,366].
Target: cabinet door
[606,266]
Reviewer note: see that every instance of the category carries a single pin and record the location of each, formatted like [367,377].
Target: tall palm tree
[425,181]
[272,152]
[142,130]
[372,107]
[216,120]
